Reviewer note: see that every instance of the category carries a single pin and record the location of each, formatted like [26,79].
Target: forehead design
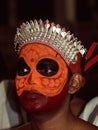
[38,50]
[49,86]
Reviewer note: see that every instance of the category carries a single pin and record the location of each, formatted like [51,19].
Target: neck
[61,119]
[56,120]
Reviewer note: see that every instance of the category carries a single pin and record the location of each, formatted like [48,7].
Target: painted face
[41,78]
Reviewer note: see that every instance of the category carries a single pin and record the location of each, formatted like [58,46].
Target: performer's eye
[22,68]
[47,67]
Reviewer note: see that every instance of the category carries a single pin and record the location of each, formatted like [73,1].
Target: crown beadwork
[52,35]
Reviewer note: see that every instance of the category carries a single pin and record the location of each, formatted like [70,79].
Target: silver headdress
[52,35]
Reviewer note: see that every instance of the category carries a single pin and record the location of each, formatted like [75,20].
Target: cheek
[55,102]
[20,85]
[53,86]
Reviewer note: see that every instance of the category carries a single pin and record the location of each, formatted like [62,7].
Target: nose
[34,79]
[31,78]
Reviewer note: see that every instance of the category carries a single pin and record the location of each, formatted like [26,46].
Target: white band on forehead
[52,35]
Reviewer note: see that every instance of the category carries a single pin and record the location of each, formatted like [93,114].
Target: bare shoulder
[83,125]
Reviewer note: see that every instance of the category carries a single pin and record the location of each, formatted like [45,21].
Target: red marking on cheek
[42,103]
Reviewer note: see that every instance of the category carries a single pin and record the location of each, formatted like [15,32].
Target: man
[49,71]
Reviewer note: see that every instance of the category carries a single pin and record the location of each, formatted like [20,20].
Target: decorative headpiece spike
[52,35]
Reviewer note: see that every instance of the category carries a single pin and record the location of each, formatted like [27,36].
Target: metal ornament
[52,35]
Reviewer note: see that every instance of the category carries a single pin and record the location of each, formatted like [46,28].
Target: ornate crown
[52,35]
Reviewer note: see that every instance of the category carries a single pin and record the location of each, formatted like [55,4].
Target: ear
[75,83]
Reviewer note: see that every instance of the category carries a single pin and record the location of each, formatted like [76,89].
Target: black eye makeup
[22,67]
[47,67]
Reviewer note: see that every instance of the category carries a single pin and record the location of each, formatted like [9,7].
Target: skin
[38,93]
[49,109]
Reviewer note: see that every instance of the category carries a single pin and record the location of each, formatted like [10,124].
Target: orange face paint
[50,86]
